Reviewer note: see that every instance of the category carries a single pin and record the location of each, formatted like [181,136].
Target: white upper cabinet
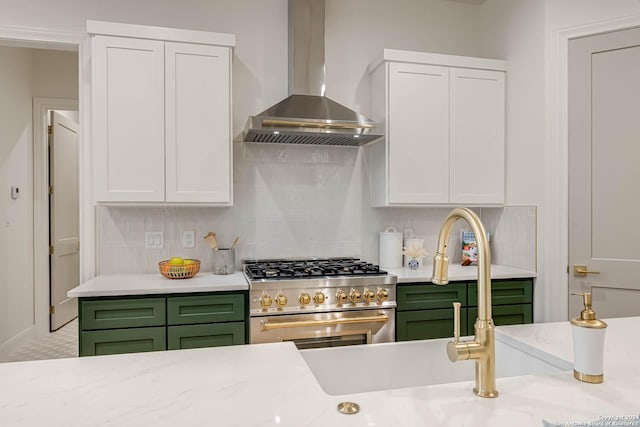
[128,119]
[161,115]
[198,123]
[444,130]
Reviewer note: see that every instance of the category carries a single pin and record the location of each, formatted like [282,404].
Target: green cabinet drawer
[211,335]
[117,341]
[191,310]
[516,314]
[504,292]
[427,324]
[428,296]
[122,313]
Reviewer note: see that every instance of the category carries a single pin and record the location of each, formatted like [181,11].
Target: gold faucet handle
[456,322]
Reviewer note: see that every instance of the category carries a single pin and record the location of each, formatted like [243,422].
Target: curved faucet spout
[482,348]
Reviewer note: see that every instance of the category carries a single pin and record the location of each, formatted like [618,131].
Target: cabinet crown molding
[159,33]
[428,58]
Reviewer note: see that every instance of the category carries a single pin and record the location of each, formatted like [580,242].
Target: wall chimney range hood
[307,116]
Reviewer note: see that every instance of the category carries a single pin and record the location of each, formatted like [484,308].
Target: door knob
[581,270]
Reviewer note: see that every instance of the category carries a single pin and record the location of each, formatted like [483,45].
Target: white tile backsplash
[295,201]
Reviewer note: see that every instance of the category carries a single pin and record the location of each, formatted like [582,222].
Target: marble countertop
[148,284]
[271,385]
[458,272]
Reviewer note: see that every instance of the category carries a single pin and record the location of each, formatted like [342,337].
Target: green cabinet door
[189,310]
[428,296]
[516,314]
[505,292]
[121,313]
[427,324]
[210,335]
[116,341]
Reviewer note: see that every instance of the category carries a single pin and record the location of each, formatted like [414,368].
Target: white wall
[25,73]
[515,30]
[298,201]
[260,26]
[358,30]
[16,216]
[520,31]
[55,74]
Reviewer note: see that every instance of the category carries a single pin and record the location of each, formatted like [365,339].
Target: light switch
[153,240]
[189,239]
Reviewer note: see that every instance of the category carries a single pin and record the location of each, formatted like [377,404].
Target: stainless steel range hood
[307,116]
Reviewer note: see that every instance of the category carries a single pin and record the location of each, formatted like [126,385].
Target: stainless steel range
[325,302]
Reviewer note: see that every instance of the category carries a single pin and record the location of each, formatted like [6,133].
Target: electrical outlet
[153,239]
[189,239]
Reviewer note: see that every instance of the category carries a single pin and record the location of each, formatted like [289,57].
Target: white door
[418,133]
[128,119]
[477,136]
[198,123]
[63,218]
[604,176]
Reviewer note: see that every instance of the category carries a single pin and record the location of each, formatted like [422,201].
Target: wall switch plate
[189,239]
[153,239]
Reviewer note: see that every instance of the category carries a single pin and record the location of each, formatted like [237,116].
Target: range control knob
[265,300]
[382,295]
[355,296]
[319,298]
[341,296]
[368,296]
[304,298]
[281,300]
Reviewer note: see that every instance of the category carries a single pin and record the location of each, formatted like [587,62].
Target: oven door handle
[380,318]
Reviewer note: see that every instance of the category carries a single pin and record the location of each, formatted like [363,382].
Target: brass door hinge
[52,309]
[49,130]
[50,250]
[51,189]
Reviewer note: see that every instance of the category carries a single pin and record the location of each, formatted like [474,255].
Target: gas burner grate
[309,268]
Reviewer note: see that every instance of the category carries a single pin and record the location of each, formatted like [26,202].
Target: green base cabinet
[122,313]
[190,310]
[428,324]
[113,325]
[428,296]
[118,341]
[425,310]
[516,314]
[198,336]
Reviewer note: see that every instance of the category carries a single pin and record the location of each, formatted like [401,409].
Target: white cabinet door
[128,119]
[477,136]
[445,130]
[198,123]
[418,134]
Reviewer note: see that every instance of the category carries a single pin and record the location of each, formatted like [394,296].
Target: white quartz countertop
[457,272]
[146,284]
[271,385]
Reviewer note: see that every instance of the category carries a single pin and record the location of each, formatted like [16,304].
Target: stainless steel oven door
[334,329]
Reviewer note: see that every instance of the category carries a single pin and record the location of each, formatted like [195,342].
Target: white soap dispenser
[588,344]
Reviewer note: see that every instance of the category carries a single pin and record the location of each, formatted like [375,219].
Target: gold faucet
[482,348]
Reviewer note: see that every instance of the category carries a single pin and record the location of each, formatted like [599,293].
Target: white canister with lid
[391,248]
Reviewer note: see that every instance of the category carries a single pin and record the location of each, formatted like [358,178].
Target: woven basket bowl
[179,271]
